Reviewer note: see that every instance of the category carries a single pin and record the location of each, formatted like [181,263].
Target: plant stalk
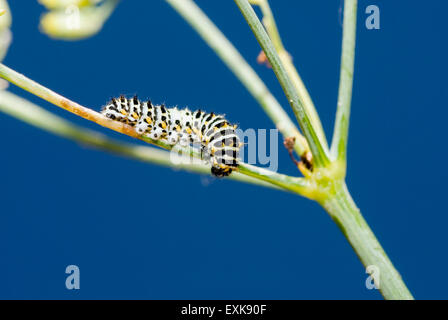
[286,59]
[318,147]
[34,115]
[340,135]
[347,216]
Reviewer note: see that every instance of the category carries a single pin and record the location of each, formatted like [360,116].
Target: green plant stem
[285,58]
[39,90]
[332,193]
[270,24]
[347,216]
[318,148]
[301,186]
[340,135]
[32,114]
[242,70]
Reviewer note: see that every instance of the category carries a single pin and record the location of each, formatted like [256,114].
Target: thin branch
[34,115]
[39,90]
[318,148]
[285,58]
[300,185]
[242,70]
[304,187]
[269,23]
[35,88]
[340,135]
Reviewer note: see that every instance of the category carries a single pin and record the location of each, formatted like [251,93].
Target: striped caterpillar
[217,138]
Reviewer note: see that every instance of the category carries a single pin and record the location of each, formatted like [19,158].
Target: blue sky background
[63,203]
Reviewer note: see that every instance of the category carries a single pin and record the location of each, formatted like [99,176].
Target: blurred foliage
[5,34]
[58,4]
[75,19]
[5,15]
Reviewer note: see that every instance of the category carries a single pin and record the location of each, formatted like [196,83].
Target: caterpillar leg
[220,172]
[141,127]
[223,166]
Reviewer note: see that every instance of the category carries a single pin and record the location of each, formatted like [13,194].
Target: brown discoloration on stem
[29,85]
[289,142]
[306,158]
[262,59]
[96,117]
[289,145]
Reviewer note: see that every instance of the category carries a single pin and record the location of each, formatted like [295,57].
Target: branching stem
[328,174]
[34,115]
[324,183]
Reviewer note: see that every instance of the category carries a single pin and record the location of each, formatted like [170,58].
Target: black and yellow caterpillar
[213,133]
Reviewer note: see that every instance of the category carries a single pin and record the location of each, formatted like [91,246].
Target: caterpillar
[219,144]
